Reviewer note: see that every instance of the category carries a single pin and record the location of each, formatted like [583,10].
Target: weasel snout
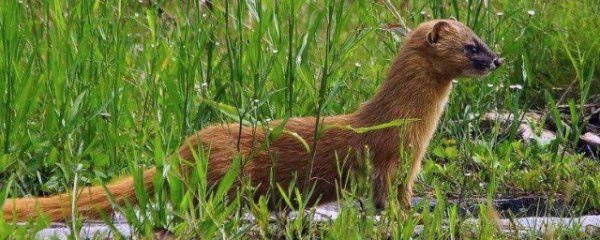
[496,63]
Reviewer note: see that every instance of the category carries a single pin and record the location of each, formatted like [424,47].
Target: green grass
[92,90]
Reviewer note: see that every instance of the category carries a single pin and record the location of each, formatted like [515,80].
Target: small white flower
[217,44]
[423,13]
[516,86]
[490,85]
[138,47]
[256,100]
[468,174]
[268,120]
[499,87]
[204,15]
[357,64]
[481,184]
[136,15]
[275,51]
[531,12]
[499,14]
[454,81]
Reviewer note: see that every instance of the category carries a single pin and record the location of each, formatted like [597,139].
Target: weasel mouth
[486,66]
[481,69]
[483,66]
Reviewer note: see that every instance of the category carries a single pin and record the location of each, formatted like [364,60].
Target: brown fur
[417,87]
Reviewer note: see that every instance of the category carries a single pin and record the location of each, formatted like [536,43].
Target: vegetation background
[93,90]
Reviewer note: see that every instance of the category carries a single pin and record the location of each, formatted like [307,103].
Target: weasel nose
[497,62]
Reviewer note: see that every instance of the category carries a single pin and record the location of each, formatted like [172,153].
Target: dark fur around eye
[471,48]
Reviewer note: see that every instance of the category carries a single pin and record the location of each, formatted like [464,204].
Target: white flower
[136,15]
[516,86]
[357,64]
[531,12]
[490,85]
[275,51]
[454,81]
[499,13]
[217,44]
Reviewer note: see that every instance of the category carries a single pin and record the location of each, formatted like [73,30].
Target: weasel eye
[472,48]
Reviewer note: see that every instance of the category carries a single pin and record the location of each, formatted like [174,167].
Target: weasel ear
[434,36]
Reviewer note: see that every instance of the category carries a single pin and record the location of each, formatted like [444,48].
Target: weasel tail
[90,202]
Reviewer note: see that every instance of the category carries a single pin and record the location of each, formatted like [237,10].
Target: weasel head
[453,49]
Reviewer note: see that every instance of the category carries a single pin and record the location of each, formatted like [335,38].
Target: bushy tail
[90,203]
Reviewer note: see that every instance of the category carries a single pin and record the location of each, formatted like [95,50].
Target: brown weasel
[417,87]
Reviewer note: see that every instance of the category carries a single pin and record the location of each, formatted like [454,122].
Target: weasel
[417,87]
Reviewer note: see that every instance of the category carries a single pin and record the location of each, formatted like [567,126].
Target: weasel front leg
[387,174]
[406,189]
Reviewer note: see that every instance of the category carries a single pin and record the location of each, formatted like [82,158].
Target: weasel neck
[413,90]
